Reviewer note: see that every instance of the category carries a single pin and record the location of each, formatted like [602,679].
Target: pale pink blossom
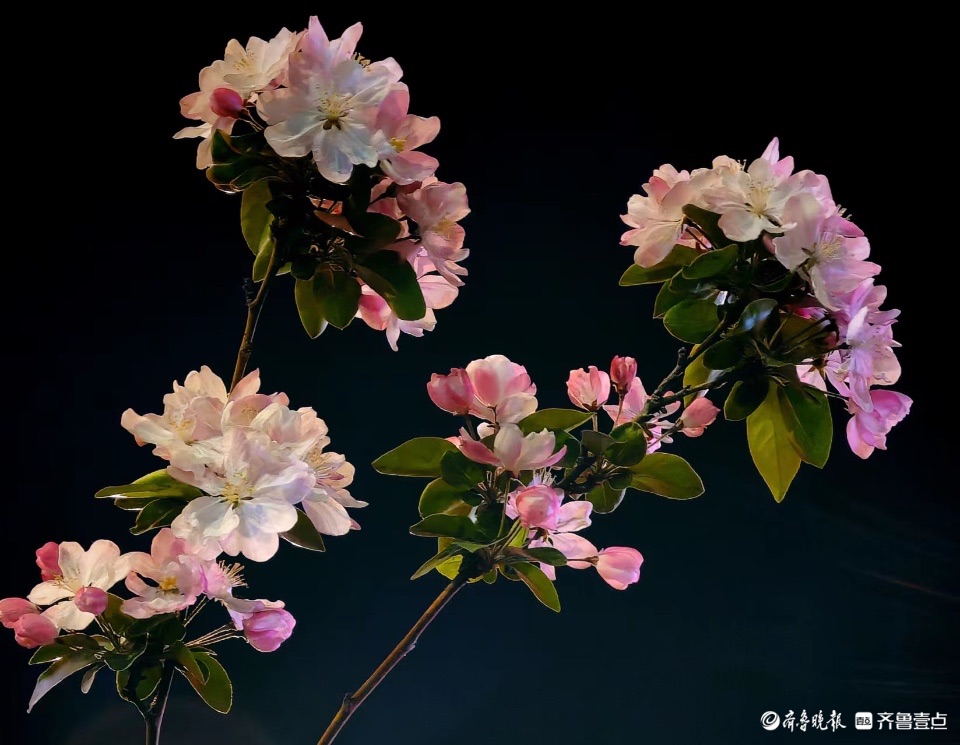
[827,247]
[91,600]
[588,389]
[266,630]
[752,200]
[623,371]
[504,391]
[252,493]
[867,430]
[437,208]
[35,630]
[175,574]
[101,567]
[48,559]
[513,451]
[633,405]
[11,609]
[697,417]
[399,134]
[619,566]
[453,392]
[572,517]
[537,506]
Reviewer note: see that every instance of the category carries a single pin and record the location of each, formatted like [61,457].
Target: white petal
[47,593]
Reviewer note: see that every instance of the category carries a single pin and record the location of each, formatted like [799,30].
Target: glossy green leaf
[146,681]
[605,498]
[337,295]
[630,445]
[58,672]
[770,446]
[692,320]
[667,475]
[554,419]
[439,497]
[183,656]
[712,263]
[572,452]
[458,470]
[255,218]
[451,526]
[117,619]
[50,653]
[725,354]
[310,308]
[449,567]
[437,559]
[708,222]
[86,682]
[539,584]
[158,514]
[543,554]
[374,230]
[417,457]
[679,257]
[156,484]
[393,279]
[665,300]
[215,689]
[744,398]
[806,412]
[755,316]
[596,442]
[304,534]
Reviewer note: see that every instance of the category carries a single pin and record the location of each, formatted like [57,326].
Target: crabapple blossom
[175,573]
[400,134]
[91,600]
[623,371]
[619,566]
[11,609]
[572,517]
[453,392]
[513,451]
[504,392]
[537,506]
[101,567]
[697,417]
[48,559]
[634,405]
[267,629]
[867,430]
[437,208]
[588,389]
[35,630]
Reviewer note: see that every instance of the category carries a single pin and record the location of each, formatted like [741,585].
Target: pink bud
[697,417]
[48,559]
[11,609]
[588,389]
[623,370]
[227,102]
[537,506]
[91,600]
[268,629]
[453,392]
[34,630]
[619,566]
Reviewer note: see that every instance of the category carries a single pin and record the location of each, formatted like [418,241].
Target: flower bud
[12,609]
[453,392]
[537,506]
[619,566]
[227,102]
[48,559]
[588,389]
[697,416]
[91,600]
[268,629]
[622,372]
[34,630]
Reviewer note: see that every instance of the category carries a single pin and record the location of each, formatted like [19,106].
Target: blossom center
[828,249]
[168,584]
[334,107]
[398,143]
[234,492]
[758,195]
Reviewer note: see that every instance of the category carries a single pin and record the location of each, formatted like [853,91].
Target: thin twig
[253,316]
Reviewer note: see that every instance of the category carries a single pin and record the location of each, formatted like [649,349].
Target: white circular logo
[770,720]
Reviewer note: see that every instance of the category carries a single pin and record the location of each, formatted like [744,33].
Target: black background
[843,597]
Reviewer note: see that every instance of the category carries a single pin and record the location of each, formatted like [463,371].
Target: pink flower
[697,417]
[633,406]
[537,506]
[453,392]
[437,208]
[572,517]
[513,451]
[91,600]
[175,572]
[868,430]
[48,559]
[268,629]
[34,630]
[12,609]
[401,134]
[504,392]
[227,103]
[619,566]
[588,389]
[623,371]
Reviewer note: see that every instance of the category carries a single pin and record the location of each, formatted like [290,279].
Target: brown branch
[253,316]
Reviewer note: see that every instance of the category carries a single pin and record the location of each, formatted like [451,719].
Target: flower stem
[353,701]
[254,306]
[153,715]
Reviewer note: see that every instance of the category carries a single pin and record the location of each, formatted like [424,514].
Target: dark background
[843,597]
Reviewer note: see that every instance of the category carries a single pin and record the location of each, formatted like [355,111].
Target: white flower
[102,566]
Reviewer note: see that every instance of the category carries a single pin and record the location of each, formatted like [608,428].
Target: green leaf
[450,567]
[117,619]
[692,320]
[393,279]
[255,218]
[554,419]
[458,470]
[708,222]
[596,442]
[572,445]
[667,475]
[679,257]
[806,412]
[630,445]
[712,263]
[437,559]
[756,314]
[770,446]
[439,497]
[375,231]
[605,498]
[156,484]
[58,672]
[147,680]
[744,398]
[158,514]
[337,296]
[261,264]
[725,354]
[215,688]
[165,628]
[417,457]
[184,657]
[304,534]
[451,526]
[309,307]
[86,682]
[544,554]
[665,300]
[539,584]
[50,653]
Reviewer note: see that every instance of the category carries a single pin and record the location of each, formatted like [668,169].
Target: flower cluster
[772,213]
[303,94]
[253,460]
